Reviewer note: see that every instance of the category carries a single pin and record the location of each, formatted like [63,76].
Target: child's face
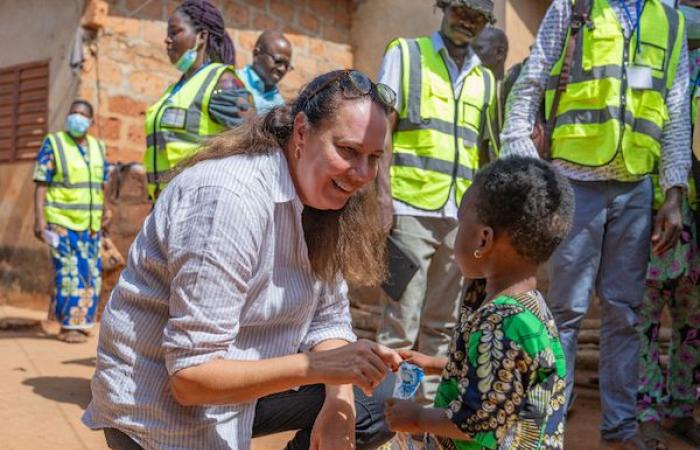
[472,237]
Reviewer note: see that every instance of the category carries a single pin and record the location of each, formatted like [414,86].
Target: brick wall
[128,66]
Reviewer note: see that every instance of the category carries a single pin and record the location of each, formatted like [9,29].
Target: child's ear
[487,236]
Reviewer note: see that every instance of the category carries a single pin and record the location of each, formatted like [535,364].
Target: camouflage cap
[485,7]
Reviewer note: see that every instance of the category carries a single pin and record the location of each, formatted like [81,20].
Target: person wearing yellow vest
[672,282]
[441,135]
[208,98]
[622,116]
[70,173]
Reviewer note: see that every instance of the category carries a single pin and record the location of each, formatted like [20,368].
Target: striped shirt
[525,97]
[219,270]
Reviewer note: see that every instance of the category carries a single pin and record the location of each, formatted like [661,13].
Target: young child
[503,383]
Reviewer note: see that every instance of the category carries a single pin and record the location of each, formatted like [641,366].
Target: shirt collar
[257,83]
[471,59]
[283,189]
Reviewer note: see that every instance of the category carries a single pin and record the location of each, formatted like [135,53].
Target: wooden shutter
[24,94]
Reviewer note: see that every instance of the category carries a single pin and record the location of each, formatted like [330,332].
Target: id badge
[639,77]
[174,118]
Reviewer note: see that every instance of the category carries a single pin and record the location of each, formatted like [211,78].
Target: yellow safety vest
[599,115]
[436,142]
[75,197]
[178,123]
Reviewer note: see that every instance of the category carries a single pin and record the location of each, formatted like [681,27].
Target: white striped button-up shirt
[219,270]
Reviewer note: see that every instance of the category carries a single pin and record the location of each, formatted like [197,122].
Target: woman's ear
[201,39]
[299,130]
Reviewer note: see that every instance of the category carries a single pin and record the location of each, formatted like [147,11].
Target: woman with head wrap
[208,98]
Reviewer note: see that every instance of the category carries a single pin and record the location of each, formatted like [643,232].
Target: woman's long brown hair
[348,242]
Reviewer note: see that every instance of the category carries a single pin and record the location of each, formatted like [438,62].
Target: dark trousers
[297,410]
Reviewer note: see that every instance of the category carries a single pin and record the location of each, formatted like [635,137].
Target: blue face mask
[692,21]
[77,124]
[187,59]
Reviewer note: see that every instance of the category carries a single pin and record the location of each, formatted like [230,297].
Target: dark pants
[297,410]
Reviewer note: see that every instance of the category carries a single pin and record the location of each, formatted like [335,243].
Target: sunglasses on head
[356,84]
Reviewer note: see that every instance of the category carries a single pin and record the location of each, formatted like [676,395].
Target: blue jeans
[297,410]
[607,249]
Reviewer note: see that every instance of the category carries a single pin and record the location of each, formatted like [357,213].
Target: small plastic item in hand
[50,237]
[408,380]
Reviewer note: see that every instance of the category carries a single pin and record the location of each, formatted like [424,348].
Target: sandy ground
[45,386]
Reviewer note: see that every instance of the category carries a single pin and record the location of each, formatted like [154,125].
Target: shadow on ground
[62,389]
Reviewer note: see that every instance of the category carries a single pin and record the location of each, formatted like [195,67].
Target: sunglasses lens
[386,94]
[361,82]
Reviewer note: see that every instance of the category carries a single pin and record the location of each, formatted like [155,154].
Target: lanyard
[635,26]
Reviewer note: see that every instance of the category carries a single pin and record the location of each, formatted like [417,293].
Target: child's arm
[431,365]
[410,417]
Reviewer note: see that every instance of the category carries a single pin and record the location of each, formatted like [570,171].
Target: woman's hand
[334,427]
[363,363]
[403,415]
[430,365]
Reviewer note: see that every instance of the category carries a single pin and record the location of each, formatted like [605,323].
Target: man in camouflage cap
[442,134]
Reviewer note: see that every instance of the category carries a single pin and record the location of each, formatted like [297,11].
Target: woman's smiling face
[331,162]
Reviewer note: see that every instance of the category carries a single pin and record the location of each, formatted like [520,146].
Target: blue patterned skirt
[78,278]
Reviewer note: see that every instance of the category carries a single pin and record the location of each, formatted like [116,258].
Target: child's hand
[429,364]
[403,415]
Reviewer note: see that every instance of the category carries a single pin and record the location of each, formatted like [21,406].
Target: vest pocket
[601,46]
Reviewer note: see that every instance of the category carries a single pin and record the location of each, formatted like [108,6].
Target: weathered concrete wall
[376,22]
[522,20]
[32,30]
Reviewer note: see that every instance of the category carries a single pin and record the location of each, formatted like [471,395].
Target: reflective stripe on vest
[435,144]
[599,115]
[74,198]
[176,125]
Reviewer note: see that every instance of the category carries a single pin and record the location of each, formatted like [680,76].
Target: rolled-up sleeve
[331,319]
[675,141]
[214,244]
[525,98]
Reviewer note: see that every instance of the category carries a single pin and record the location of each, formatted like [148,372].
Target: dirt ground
[45,386]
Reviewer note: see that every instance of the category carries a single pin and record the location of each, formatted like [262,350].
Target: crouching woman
[234,293]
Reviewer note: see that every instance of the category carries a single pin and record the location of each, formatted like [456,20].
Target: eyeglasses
[279,60]
[360,84]
[466,14]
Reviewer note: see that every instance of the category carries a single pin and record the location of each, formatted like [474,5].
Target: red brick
[336,34]
[300,43]
[109,128]
[259,4]
[309,22]
[237,14]
[306,64]
[136,135]
[343,15]
[110,73]
[264,22]
[148,86]
[283,10]
[154,33]
[123,26]
[128,106]
[323,9]
[153,10]
[246,40]
[317,47]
